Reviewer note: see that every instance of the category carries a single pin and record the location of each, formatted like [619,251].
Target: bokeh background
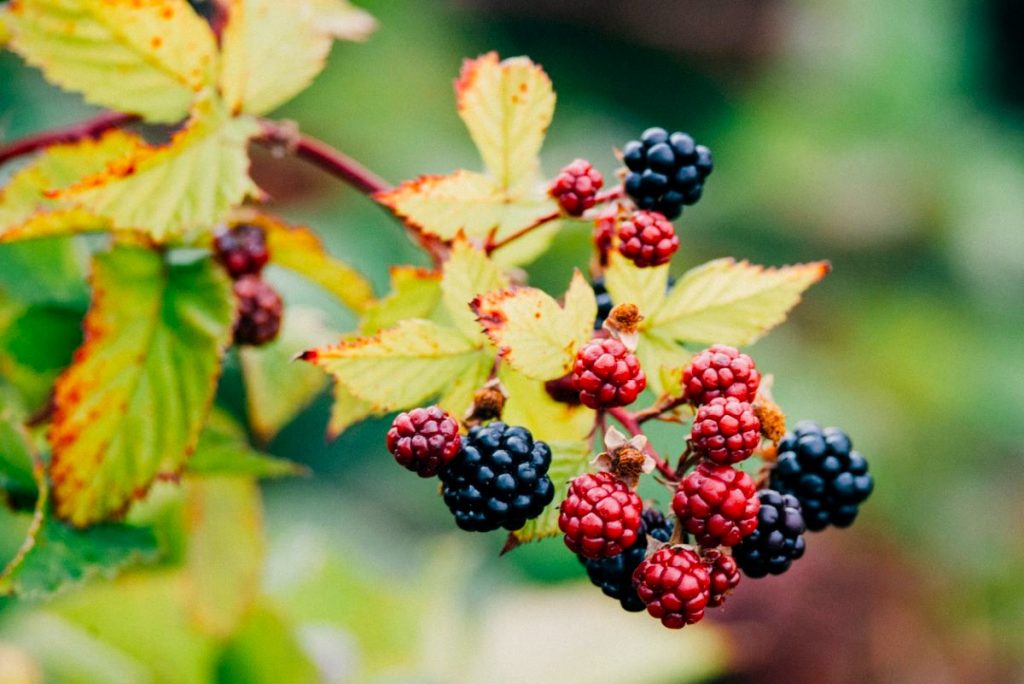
[887,137]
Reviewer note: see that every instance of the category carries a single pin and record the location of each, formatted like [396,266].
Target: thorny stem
[629,422]
[85,130]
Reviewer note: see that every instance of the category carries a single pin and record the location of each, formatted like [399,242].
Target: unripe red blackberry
[725,575]
[647,239]
[720,371]
[717,504]
[424,439]
[674,584]
[242,249]
[259,311]
[600,516]
[607,374]
[725,431]
[576,187]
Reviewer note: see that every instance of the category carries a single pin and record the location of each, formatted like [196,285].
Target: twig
[629,422]
[92,128]
[659,409]
[540,222]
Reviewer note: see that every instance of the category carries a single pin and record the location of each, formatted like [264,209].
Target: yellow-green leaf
[530,405]
[224,559]
[273,50]
[5,27]
[532,332]
[277,387]
[663,361]
[568,460]
[507,107]
[299,249]
[224,449]
[645,287]
[184,187]
[347,410]
[149,58]
[27,205]
[133,402]
[415,293]
[730,302]
[401,366]
[467,274]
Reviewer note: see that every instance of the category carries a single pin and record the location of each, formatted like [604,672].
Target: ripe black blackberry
[778,539]
[615,575]
[821,469]
[666,170]
[604,302]
[499,478]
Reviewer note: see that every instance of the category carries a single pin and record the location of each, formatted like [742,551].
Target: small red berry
[607,375]
[424,439]
[725,431]
[259,311]
[576,187]
[674,584]
[604,231]
[242,249]
[725,575]
[720,371]
[562,390]
[600,516]
[647,239]
[718,505]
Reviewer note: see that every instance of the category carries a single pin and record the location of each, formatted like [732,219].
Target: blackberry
[499,478]
[259,311]
[717,505]
[576,187]
[778,539]
[821,469]
[720,371]
[725,431]
[600,515]
[423,440]
[647,239]
[604,302]
[607,374]
[725,575]
[666,170]
[675,585]
[615,575]
[242,249]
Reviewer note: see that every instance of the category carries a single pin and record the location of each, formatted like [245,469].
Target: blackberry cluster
[778,539]
[615,575]
[666,170]
[259,311]
[499,478]
[820,468]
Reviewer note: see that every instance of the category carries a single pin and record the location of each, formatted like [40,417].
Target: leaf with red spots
[507,107]
[133,402]
[146,57]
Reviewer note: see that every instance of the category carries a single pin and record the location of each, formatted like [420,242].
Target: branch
[92,128]
[659,409]
[629,422]
[538,223]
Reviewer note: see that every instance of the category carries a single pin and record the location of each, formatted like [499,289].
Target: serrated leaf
[532,332]
[224,560]
[415,293]
[530,405]
[148,58]
[507,107]
[133,402]
[224,449]
[181,188]
[663,361]
[645,287]
[273,50]
[730,302]
[28,208]
[468,273]
[568,460]
[346,411]
[277,387]
[299,249]
[401,366]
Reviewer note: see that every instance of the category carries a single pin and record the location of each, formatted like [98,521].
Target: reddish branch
[629,421]
[93,128]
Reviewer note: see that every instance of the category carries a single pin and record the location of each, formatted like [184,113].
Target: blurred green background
[886,137]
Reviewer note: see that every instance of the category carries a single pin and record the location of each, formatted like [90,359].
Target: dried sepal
[627,459]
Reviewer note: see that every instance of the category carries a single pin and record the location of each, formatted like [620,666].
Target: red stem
[540,222]
[659,409]
[629,422]
[92,128]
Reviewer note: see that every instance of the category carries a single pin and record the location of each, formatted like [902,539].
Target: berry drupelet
[499,478]
[821,469]
[778,539]
[666,170]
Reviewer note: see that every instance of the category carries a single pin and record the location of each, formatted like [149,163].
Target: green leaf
[300,250]
[147,58]
[729,302]
[17,470]
[277,387]
[627,283]
[273,50]
[224,450]
[346,411]
[36,346]
[568,460]
[265,651]
[415,293]
[468,273]
[132,404]
[532,332]
[43,271]
[182,188]
[224,560]
[401,366]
